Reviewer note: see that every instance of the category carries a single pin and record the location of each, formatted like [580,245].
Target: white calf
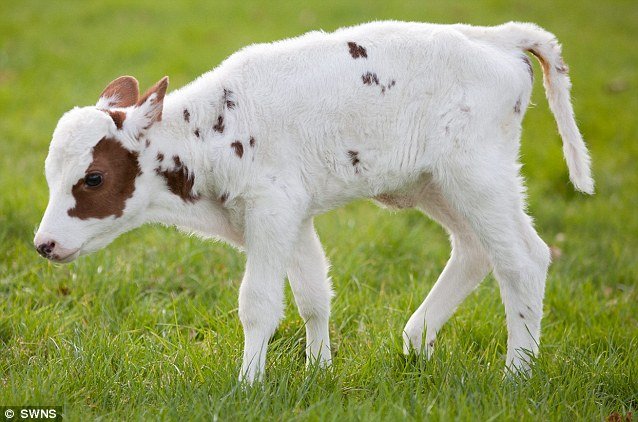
[410,114]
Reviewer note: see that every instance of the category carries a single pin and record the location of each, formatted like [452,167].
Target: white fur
[444,137]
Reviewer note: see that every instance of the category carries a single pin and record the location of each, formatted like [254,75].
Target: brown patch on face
[369,78]
[122,92]
[179,180]
[230,104]
[119,168]
[118,117]
[357,51]
[517,106]
[238,147]
[252,142]
[187,115]
[196,132]
[219,126]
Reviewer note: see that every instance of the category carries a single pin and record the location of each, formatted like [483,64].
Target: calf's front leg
[270,237]
[308,276]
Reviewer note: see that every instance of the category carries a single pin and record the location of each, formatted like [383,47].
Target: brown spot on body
[354,157]
[354,160]
[160,157]
[219,126]
[223,198]
[387,87]
[369,78]
[517,106]
[239,148]
[196,132]
[179,180]
[357,51]
[230,104]
[252,142]
[147,142]
[118,117]
[187,115]
[119,168]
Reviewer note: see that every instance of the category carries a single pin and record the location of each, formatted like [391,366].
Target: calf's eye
[93,179]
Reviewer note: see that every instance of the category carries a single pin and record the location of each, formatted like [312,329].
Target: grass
[148,328]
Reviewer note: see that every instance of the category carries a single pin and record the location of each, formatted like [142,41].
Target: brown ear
[153,100]
[122,92]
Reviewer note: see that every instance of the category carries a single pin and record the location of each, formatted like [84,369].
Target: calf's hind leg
[488,195]
[467,266]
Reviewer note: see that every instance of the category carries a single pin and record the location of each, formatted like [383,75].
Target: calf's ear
[122,92]
[152,102]
[148,109]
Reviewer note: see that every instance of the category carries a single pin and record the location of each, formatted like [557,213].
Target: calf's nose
[46,248]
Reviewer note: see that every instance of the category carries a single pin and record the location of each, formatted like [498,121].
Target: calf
[409,114]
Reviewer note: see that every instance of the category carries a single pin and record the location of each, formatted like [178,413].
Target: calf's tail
[545,47]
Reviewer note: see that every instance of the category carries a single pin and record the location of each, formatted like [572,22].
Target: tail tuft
[578,163]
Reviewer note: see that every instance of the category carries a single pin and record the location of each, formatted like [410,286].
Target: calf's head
[97,189]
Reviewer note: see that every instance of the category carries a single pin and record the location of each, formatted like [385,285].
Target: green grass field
[148,328]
